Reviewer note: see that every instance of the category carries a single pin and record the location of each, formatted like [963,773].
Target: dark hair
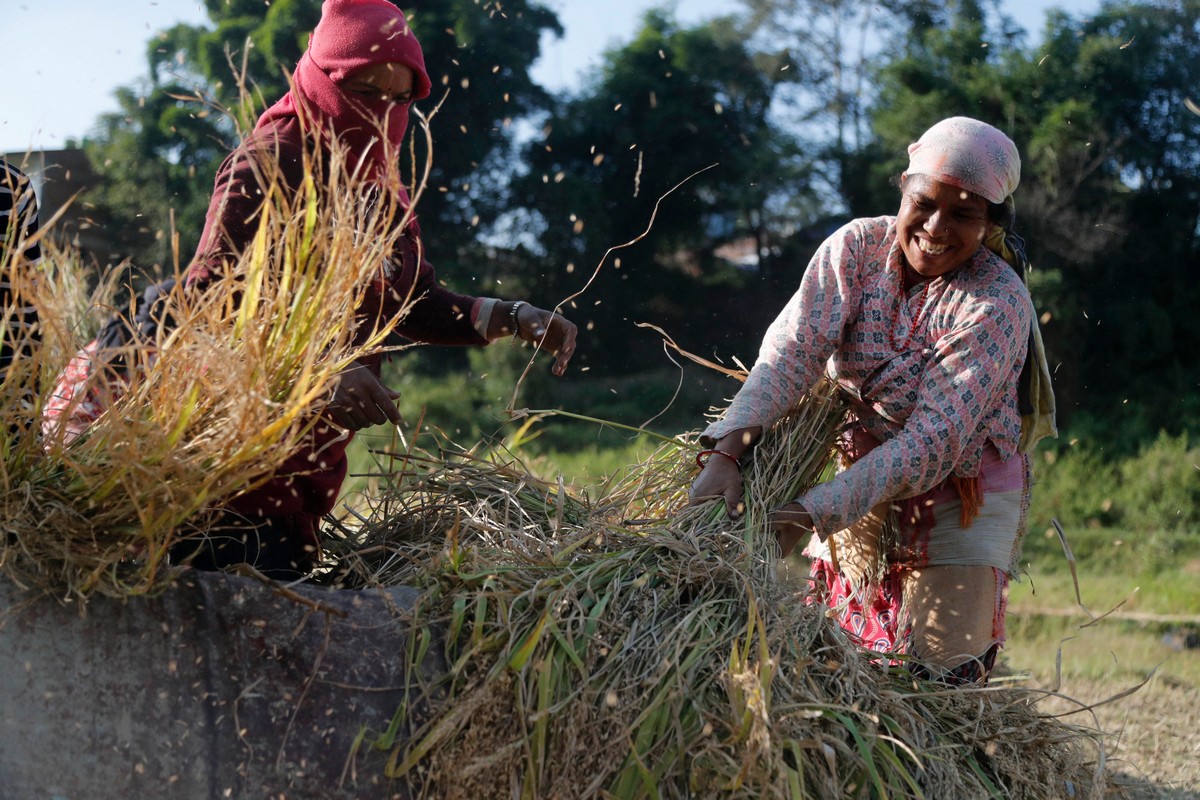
[1002,214]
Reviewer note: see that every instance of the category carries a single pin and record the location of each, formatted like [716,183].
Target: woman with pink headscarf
[353,86]
[926,325]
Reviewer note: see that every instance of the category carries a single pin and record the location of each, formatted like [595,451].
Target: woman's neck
[912,278]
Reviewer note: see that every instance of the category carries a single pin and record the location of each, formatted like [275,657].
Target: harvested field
[1153,744]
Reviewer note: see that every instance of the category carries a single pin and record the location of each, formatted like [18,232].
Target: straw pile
[207,411]
[621,646]
[627,646]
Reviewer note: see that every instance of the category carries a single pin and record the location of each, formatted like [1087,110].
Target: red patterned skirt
[931,533]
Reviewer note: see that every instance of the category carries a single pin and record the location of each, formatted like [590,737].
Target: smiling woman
[927,331]
[939,226]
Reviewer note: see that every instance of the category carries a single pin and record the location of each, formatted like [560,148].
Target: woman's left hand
[548,331]
[790,524]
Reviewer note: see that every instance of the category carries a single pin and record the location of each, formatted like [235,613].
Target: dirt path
[1153,740]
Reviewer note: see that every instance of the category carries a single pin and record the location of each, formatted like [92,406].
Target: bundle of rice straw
[209,411]
[630,647]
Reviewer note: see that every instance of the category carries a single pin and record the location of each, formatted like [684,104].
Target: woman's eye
[374,93]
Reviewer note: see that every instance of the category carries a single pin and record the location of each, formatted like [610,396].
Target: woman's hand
[548,331]
[721,476]
[722,479]
[790,524]
[360,400]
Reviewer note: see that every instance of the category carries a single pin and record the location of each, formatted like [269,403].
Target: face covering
[353,34]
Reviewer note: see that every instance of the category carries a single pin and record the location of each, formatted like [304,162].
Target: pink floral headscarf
[969,154]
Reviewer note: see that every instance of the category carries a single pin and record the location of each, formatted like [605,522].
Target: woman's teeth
[932,249]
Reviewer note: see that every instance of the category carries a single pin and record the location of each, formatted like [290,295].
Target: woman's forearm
[737,442]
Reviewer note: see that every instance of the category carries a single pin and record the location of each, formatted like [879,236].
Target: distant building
[741,253]
[61,179]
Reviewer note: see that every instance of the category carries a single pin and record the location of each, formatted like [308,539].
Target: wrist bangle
[702,461]
[512,318]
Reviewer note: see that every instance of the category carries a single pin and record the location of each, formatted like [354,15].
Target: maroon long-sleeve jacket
[307,485]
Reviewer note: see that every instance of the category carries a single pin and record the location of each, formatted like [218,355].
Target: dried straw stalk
[208,412]
[630,647]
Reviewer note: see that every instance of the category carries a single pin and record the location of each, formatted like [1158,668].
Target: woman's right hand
[360,400]
[722,479]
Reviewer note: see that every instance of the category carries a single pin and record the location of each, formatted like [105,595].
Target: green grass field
[1148,585]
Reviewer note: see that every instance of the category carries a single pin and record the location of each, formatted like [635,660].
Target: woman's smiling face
[940,227]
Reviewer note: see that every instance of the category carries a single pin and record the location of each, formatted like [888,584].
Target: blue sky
[66,57]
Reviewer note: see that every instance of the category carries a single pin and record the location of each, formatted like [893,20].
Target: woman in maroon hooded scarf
[353,86]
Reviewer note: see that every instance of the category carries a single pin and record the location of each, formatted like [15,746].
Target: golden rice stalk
[206,413]
[41,351]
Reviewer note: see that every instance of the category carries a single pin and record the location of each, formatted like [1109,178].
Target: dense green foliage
[673,102]
[1158,489]
[805,120]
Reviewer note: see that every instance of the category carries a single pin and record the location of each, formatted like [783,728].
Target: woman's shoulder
[993,283]
[993,272]
[863,236]
[282,135]
[870,230]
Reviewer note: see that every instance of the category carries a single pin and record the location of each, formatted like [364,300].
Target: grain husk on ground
[628,646]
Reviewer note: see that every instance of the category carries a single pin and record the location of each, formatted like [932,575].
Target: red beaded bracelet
[701,462]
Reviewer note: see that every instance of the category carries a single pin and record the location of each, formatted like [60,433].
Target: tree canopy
[678,108]
[773,124]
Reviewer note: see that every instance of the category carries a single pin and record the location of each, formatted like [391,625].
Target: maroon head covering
[353,34]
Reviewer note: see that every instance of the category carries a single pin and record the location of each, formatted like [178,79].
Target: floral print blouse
[935,406]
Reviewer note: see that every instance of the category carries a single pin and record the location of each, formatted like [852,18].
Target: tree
[672,102]
[1129,70]
[829,46]
[160,152]
[155,159]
